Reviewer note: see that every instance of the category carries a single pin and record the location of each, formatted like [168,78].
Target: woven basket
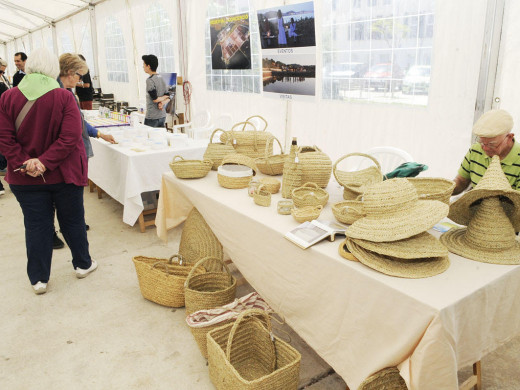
[387,378]
[433,188]
[217,151]
[310,194]
[271,184]
[348,211]
[198,240]
[214,287]
[245,355]
[316,166]
[285,206]
[162,280]
[262,197]
[306,213]
[190,169]
[271,165]
[252,143]
[234,182]
[353,182]
[292,175]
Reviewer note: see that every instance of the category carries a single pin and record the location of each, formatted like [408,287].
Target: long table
[359,320]
[125,174]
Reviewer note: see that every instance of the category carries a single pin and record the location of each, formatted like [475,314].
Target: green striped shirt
[476,162]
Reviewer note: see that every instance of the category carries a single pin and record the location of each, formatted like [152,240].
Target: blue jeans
[38,203]
[155,122]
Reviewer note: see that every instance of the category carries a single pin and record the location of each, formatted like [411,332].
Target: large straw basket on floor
[217,151]
[316,165]
[271,164]
[198,240]
[236,171]
[433,188]
[162,280]
[245,355]
[252,143]
[214,286]
[190,169]
[387,378]
[348,211]
[310,194]
[354,181]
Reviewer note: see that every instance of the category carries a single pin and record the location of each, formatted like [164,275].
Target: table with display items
[125,174]
[359,320]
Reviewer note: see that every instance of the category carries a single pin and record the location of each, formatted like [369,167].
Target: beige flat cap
[493,123]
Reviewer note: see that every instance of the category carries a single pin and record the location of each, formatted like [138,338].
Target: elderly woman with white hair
[40,135]
[4,83]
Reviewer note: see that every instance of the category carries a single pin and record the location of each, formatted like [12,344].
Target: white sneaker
[40,288]
[2,192]
[83,273]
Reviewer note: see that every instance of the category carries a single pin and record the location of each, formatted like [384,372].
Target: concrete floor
[99,333]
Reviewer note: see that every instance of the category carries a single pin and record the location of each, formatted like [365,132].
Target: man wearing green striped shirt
[493,130]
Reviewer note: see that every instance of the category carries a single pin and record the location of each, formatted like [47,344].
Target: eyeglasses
[79,75]
[491,145]
[2,71]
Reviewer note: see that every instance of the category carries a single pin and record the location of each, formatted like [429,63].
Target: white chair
[224,122]
[200,127]
[388,156]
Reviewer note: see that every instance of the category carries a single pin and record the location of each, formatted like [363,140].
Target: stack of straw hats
[491,212]
[391,238]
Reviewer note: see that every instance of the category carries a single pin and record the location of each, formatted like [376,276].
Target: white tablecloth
[359,320]
[125,174]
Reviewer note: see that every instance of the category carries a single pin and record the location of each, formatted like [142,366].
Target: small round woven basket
[235,178]
[271,165]
[306,213]
[271,184]
[262,197]
[348,211]
[285,206]
[310,194]
[433,188]
[190,169]
[353,182]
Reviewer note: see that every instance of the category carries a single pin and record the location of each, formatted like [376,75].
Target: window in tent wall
[37,39]
[117,68]
[85,47]
[377,50]
[66,44]
[158,37]
[236,80]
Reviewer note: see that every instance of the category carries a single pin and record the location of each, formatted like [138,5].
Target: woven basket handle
[259,188]
[255,144]
[314,186]
[180,260]
[182,158]
[213,135]
[256,116]
[202,261]
[358,209]
[207,161]
[269,143]
[351,155]
[249,313]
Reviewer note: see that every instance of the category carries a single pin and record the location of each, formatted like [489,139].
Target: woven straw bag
[246,355]
[316,165]
[198,240]
[217,151]
[212,288]
[348,211]
[306,213]
[162,280]
[235,182]
[354,181]
[262,197]
[310,194]
[433,188]
[252,143]
[190,169]
[271,184]
[271,164]
[387,378]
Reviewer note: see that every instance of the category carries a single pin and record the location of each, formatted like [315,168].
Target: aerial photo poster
[230,44]
[288,43]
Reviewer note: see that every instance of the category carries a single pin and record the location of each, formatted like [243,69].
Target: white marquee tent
[473,67]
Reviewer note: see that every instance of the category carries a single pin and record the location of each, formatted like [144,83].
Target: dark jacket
[18,76]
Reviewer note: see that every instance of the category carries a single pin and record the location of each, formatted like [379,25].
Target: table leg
[91,185]
[475,381]
[99,193]
[142,223]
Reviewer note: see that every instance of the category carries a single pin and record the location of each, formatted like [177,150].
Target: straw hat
[493,123]
[344,252]
[416,247]
[493,183]
[393,212]
[404,268]
[489,237]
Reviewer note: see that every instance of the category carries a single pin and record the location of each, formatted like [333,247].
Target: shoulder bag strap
[21,116]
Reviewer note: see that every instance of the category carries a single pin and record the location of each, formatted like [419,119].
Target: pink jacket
[51,132]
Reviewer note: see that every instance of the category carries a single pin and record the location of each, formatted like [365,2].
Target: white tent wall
[437,135]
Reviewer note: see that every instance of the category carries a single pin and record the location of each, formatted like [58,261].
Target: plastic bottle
[292,171]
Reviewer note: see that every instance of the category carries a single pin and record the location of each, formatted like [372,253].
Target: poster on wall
[288,40]
[230,44]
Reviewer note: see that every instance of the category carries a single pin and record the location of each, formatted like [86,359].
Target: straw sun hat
[493,183]
[393,212]
[489,237]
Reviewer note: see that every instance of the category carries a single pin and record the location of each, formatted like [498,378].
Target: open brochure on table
[309,233]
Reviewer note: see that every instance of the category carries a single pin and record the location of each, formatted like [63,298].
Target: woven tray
[310,194]
[348,211]
[433,188]
[190,169]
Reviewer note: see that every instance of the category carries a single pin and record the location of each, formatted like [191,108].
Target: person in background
[156,93]
[4,86]
[494,138]
[19,61]
[282,39]
[84,90]
[47,166]
[292,30]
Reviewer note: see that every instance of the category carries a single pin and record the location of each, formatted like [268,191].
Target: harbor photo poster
[288,41]
[230,42]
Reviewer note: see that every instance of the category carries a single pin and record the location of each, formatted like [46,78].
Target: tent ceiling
[18,17]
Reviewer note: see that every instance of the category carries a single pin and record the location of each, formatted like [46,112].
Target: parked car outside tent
[384,76]
[347,76]
[417,79]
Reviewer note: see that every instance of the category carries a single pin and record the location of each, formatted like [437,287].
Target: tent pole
[134,45]
[93,38]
